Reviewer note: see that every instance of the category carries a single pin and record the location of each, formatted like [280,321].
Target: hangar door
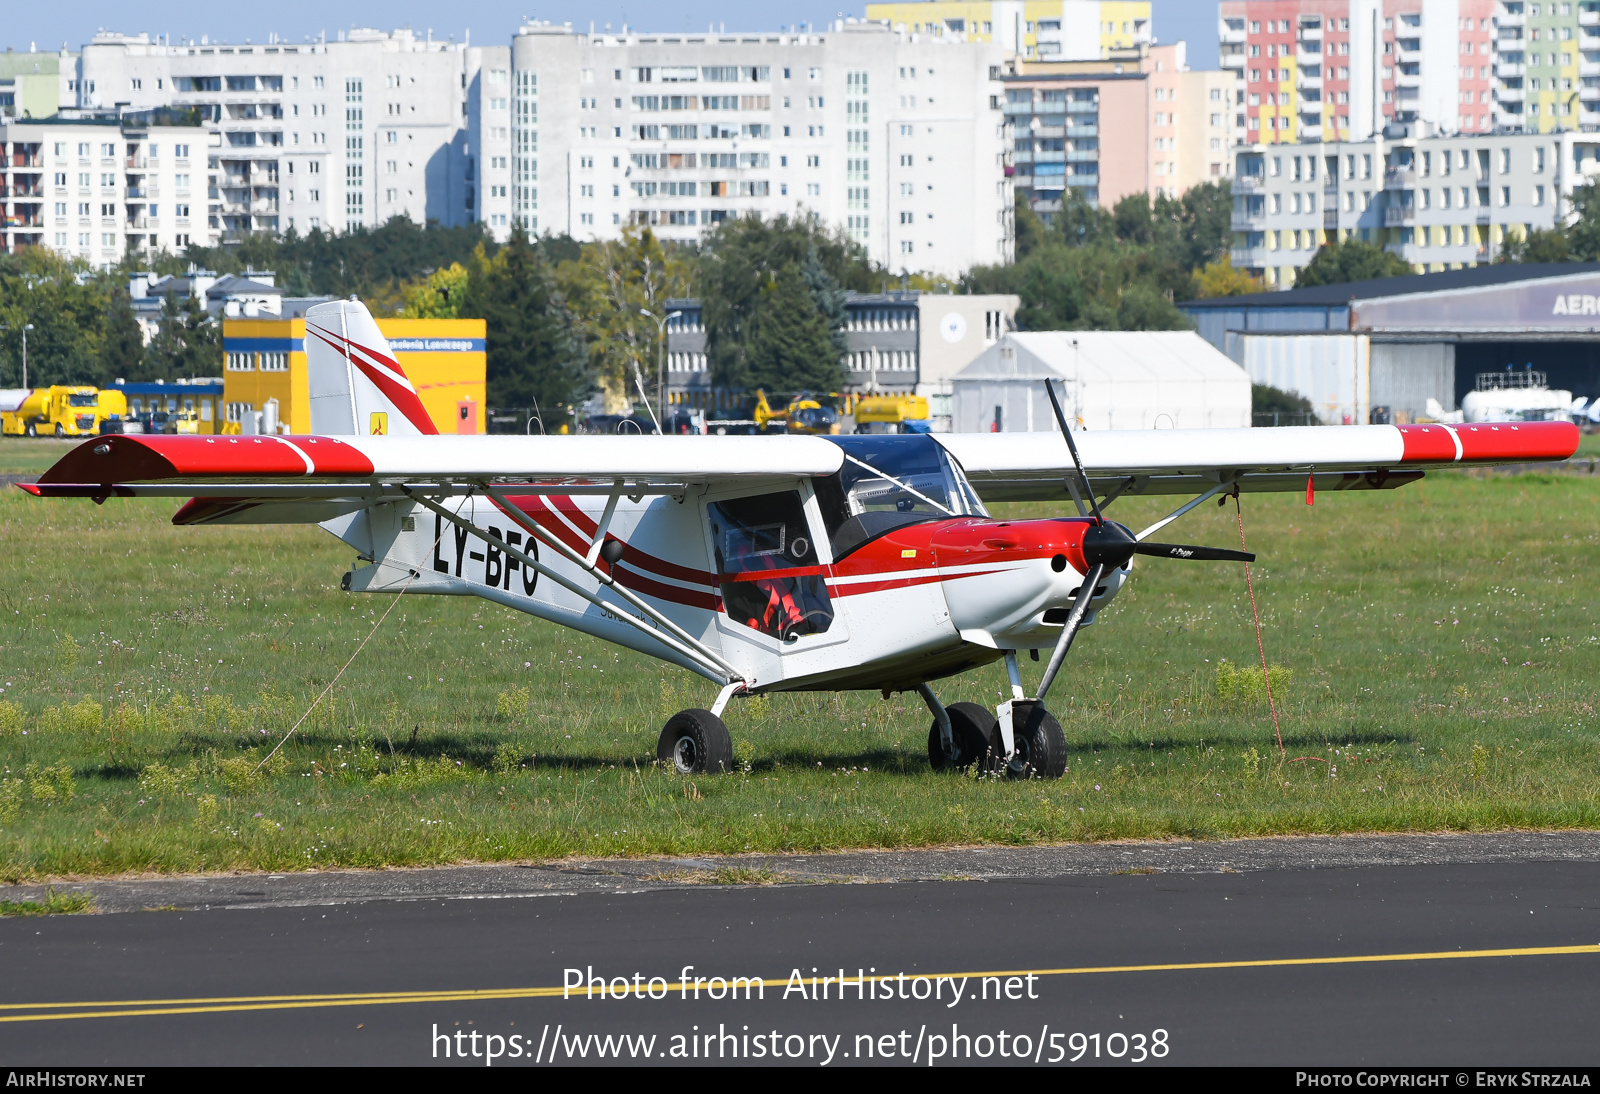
[1405,375]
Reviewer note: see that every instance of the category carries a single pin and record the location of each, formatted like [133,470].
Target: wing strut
[532,527]
[691,648]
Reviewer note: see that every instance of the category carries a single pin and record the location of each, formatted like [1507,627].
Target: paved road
[215,979]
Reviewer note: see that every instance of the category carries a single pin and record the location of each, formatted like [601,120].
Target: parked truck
[63,410]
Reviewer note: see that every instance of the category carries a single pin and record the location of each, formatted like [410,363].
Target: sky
[48,26]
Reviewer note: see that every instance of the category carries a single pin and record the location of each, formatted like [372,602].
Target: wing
[295,480]
[1031,466]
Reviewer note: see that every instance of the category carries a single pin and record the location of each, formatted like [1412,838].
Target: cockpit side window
[763,550]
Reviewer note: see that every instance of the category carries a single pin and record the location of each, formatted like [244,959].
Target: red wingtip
[30,487]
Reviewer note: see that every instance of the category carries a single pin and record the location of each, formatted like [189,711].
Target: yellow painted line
[42,1012]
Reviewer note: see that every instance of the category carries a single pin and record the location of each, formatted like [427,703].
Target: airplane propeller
[1107,546]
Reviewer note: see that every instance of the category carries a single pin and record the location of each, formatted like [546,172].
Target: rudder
[356,385]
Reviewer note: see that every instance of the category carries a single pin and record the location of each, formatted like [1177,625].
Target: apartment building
[1066,30]
[323,134]
[1342,69]
[1439,202]
[1165,127]
[897,137]
[1547,64]
[99,188]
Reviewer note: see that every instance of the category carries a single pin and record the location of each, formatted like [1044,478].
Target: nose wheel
[696,742]
[1040,750]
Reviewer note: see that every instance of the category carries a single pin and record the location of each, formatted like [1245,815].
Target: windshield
[83,400]
[888,482]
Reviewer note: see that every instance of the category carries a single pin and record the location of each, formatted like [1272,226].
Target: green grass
[1441,641]
[19,455]
[54,903]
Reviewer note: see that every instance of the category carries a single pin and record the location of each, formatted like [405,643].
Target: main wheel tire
[973,732]
[696,742]
[1041,746]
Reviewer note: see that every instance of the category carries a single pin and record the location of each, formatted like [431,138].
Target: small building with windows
[191,406]
[264,371]
[896,343]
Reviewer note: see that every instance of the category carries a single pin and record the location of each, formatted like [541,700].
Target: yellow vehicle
[65,410]
[803,414]
[892,414]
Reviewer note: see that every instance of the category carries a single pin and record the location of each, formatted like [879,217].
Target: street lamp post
[25,328]
[661,359]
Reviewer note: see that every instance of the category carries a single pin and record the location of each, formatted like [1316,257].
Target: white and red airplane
[761,563]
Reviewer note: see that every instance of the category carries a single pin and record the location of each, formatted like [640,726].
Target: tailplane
[356,384]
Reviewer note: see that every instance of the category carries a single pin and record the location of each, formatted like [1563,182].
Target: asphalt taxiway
[1455,950]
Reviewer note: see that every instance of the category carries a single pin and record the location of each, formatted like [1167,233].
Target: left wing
[1031,466]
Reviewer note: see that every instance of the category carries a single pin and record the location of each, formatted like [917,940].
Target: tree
[187,343]
[122,346]
[534,352]
[1583,235]
[1540,245]
[438,296]
[1030,230]
[1207,222]
[1265,399]
[1352,260]
[790,347]
[739,259]
[609,286]
[828,298]
[1221,279]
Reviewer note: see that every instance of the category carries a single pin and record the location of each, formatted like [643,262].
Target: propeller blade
[1192,553]
[1069,630]
[1083,479]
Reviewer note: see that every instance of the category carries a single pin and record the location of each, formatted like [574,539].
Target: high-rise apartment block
[99,188]
[898,138]
[1046,30]
[1343,69]
[1138,122]
[331,135]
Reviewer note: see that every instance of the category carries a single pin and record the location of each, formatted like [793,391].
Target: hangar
[1109,380]
[1396,342]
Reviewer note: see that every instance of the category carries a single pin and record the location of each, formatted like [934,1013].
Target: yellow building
[265,360]
[1067,30]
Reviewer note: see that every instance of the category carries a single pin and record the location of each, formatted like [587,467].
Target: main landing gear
[964,734]
[697,742]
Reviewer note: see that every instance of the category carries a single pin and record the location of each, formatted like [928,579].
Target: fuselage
[925,599]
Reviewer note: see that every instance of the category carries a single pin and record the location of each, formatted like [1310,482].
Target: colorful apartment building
[1342,69]
[1138,122]
[1065,30]
[265,363]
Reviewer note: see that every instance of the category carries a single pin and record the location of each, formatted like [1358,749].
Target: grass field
[1441,641]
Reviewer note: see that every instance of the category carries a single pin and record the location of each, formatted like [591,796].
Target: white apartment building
[329,135]
[1439,202]
[896,137]
[100,188]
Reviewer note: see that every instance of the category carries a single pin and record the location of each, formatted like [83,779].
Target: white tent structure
[1106,380]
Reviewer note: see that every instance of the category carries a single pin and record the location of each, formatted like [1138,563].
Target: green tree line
[568,319]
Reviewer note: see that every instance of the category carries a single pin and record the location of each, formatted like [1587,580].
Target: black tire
[60,432]
[696,742]
[973,731]
[1041,746]
[32,429]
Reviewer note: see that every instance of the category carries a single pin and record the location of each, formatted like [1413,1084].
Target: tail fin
[356,385]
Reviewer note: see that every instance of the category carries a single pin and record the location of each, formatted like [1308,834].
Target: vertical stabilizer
[355,384]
